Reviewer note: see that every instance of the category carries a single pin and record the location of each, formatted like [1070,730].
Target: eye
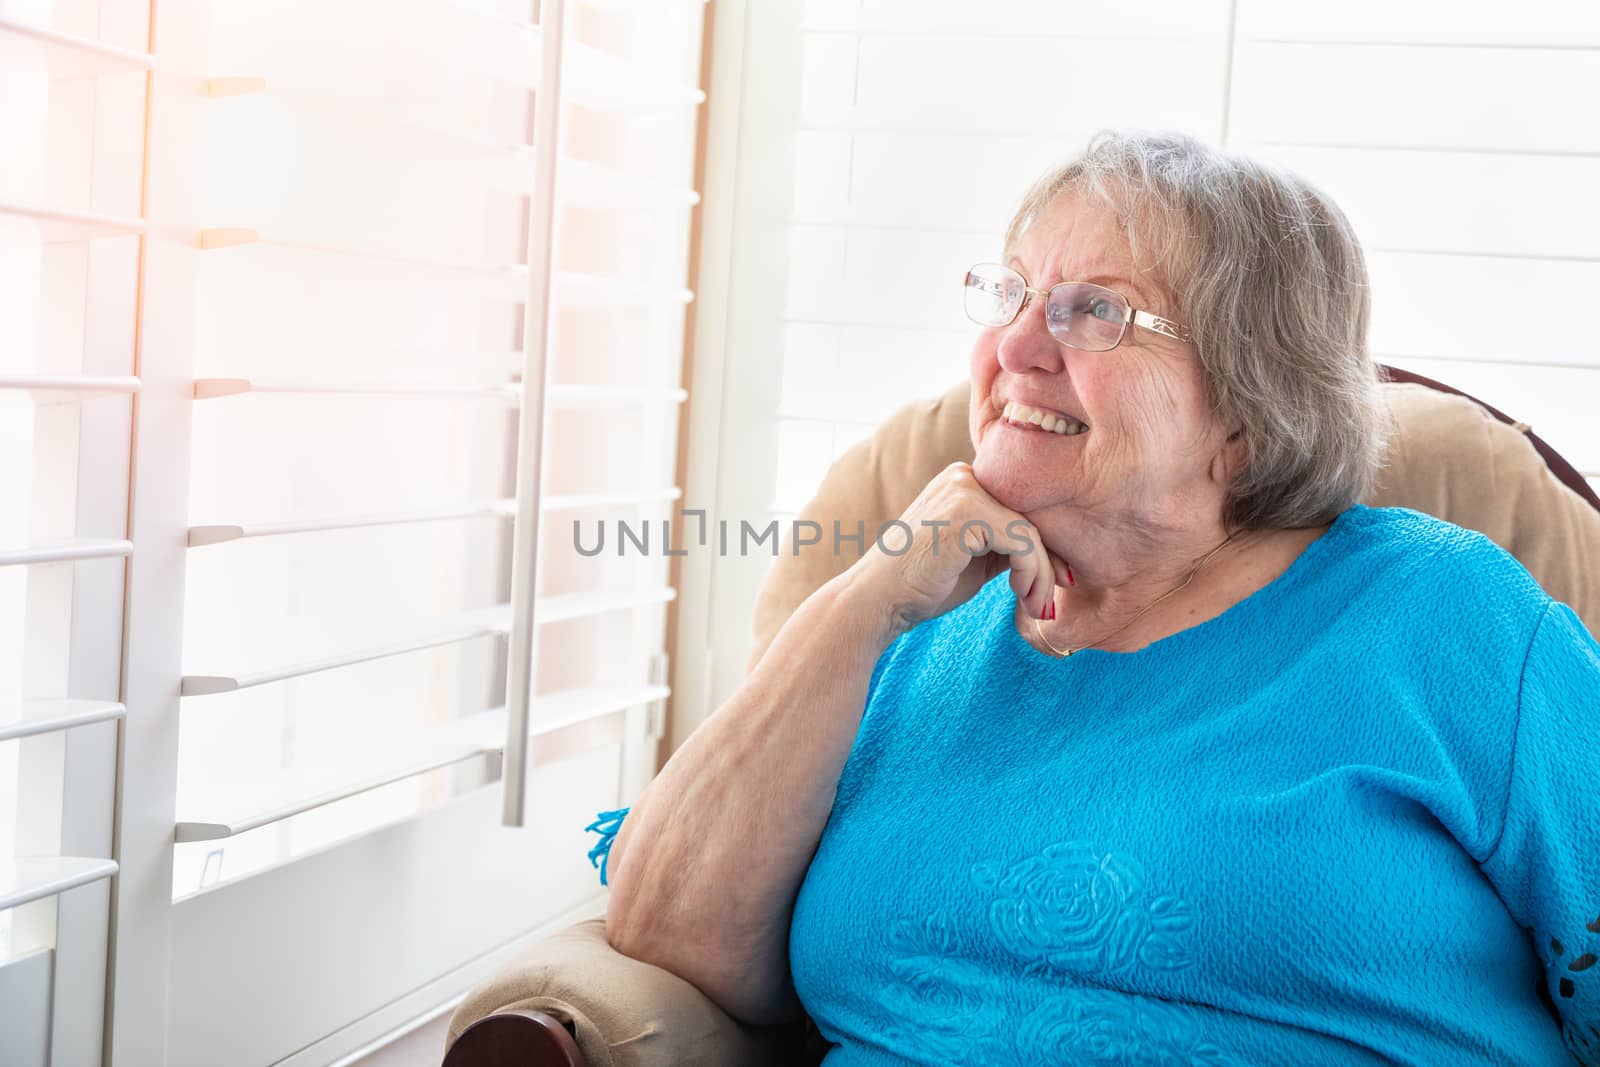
[1102,308]
[1095,307]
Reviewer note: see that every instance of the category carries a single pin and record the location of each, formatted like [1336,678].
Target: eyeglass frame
[1143,319]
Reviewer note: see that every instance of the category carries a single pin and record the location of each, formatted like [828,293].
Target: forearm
[705,869]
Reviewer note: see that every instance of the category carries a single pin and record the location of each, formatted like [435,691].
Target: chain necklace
[1067,653]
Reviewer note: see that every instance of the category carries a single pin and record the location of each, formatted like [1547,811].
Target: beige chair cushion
[1448,457]
[623,1013]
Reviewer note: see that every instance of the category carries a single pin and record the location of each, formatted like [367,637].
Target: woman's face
[1150,440]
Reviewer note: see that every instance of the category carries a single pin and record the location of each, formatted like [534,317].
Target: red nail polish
[1070,579]
[1050,611]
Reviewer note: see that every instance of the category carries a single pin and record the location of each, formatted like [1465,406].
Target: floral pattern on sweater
[1072,910]
[1075,908]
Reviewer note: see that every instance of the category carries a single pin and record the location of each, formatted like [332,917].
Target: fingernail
[1070,579]
[1050,611]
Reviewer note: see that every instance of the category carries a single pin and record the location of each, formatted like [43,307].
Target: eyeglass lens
[1078,314]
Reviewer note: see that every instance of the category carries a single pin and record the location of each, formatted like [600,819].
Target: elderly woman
[1154,746]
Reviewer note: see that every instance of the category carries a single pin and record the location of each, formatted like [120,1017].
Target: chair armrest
[515,1039]
[619,1011]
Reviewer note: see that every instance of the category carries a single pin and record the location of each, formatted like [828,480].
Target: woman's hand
[956,537]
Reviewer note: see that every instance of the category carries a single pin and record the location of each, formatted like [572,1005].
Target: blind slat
[601,186]
[600,396]
[502,509]
[603,80]
[67,385]
[567,707]
[32,717]
[59,226]
[471,736]
[577,501]
[212,388]
[218,238]
[578,396]
[494,622]
[64,551]
[364,112]
[592,290]
[297,793]
[25,880]
[581,605]
[491,622]
[67,55]
[219,534]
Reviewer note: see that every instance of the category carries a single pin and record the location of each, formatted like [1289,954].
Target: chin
[1014,484]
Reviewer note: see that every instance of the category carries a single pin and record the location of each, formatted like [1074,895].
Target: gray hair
[1267,273]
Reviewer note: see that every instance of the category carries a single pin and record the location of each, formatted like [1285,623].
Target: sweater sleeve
[1546,863]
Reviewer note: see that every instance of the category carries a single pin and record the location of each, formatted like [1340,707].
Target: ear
[1229,459]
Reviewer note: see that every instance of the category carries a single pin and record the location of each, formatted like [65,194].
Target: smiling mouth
[1026,418]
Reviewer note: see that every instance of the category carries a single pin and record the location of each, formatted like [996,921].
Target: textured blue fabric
[606,825]
[1355,819]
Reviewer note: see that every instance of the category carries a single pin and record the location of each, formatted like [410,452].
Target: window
[299,311]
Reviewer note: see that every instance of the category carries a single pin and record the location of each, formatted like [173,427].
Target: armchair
[573,1001]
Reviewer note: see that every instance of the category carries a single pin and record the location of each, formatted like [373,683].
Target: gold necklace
[1070,652]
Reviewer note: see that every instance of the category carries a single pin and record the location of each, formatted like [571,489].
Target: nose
[1027,343]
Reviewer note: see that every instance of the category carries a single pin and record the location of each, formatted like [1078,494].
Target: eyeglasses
[1078,314]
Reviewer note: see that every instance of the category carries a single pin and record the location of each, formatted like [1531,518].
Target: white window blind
[71,121]
[1462,145]
[303,271]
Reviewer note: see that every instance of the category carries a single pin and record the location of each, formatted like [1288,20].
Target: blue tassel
[607,826]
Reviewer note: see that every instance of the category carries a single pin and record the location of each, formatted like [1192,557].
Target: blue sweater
[1355,819]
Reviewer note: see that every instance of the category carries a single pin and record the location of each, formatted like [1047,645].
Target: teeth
[1022,415]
